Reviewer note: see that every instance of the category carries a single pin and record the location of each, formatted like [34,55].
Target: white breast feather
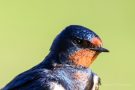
[56,86]
[95,83]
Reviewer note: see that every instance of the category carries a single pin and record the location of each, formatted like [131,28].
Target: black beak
[100,49]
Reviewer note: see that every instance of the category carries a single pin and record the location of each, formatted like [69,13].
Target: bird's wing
[33,80]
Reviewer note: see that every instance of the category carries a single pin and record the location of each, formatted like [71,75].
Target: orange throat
[83,57]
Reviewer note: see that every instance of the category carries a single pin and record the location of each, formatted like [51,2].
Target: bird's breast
[74,79]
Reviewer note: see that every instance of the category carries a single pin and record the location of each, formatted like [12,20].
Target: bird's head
[77,45]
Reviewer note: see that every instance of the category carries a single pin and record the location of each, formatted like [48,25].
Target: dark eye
[82,43]
[86,43]
[77,41]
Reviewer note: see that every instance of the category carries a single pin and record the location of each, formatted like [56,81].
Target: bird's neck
[55,59]
[82,58]
[48,62]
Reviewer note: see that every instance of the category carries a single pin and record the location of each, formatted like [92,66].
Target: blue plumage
[57,70]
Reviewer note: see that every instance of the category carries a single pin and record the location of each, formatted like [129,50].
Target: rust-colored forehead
[96,41]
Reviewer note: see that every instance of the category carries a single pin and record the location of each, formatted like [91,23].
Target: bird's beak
[100,49]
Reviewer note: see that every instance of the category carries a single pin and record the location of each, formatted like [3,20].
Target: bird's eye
[85,43]
[82,43]
[77,41]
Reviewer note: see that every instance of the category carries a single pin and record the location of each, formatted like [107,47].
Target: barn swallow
[66,67]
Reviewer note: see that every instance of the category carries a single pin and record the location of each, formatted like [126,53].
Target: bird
[66,67]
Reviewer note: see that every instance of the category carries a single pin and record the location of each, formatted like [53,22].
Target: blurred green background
[28,27]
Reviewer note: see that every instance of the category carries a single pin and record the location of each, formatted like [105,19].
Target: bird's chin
[95,56]
[84,57]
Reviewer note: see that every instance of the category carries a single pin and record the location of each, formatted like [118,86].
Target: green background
[28,27]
